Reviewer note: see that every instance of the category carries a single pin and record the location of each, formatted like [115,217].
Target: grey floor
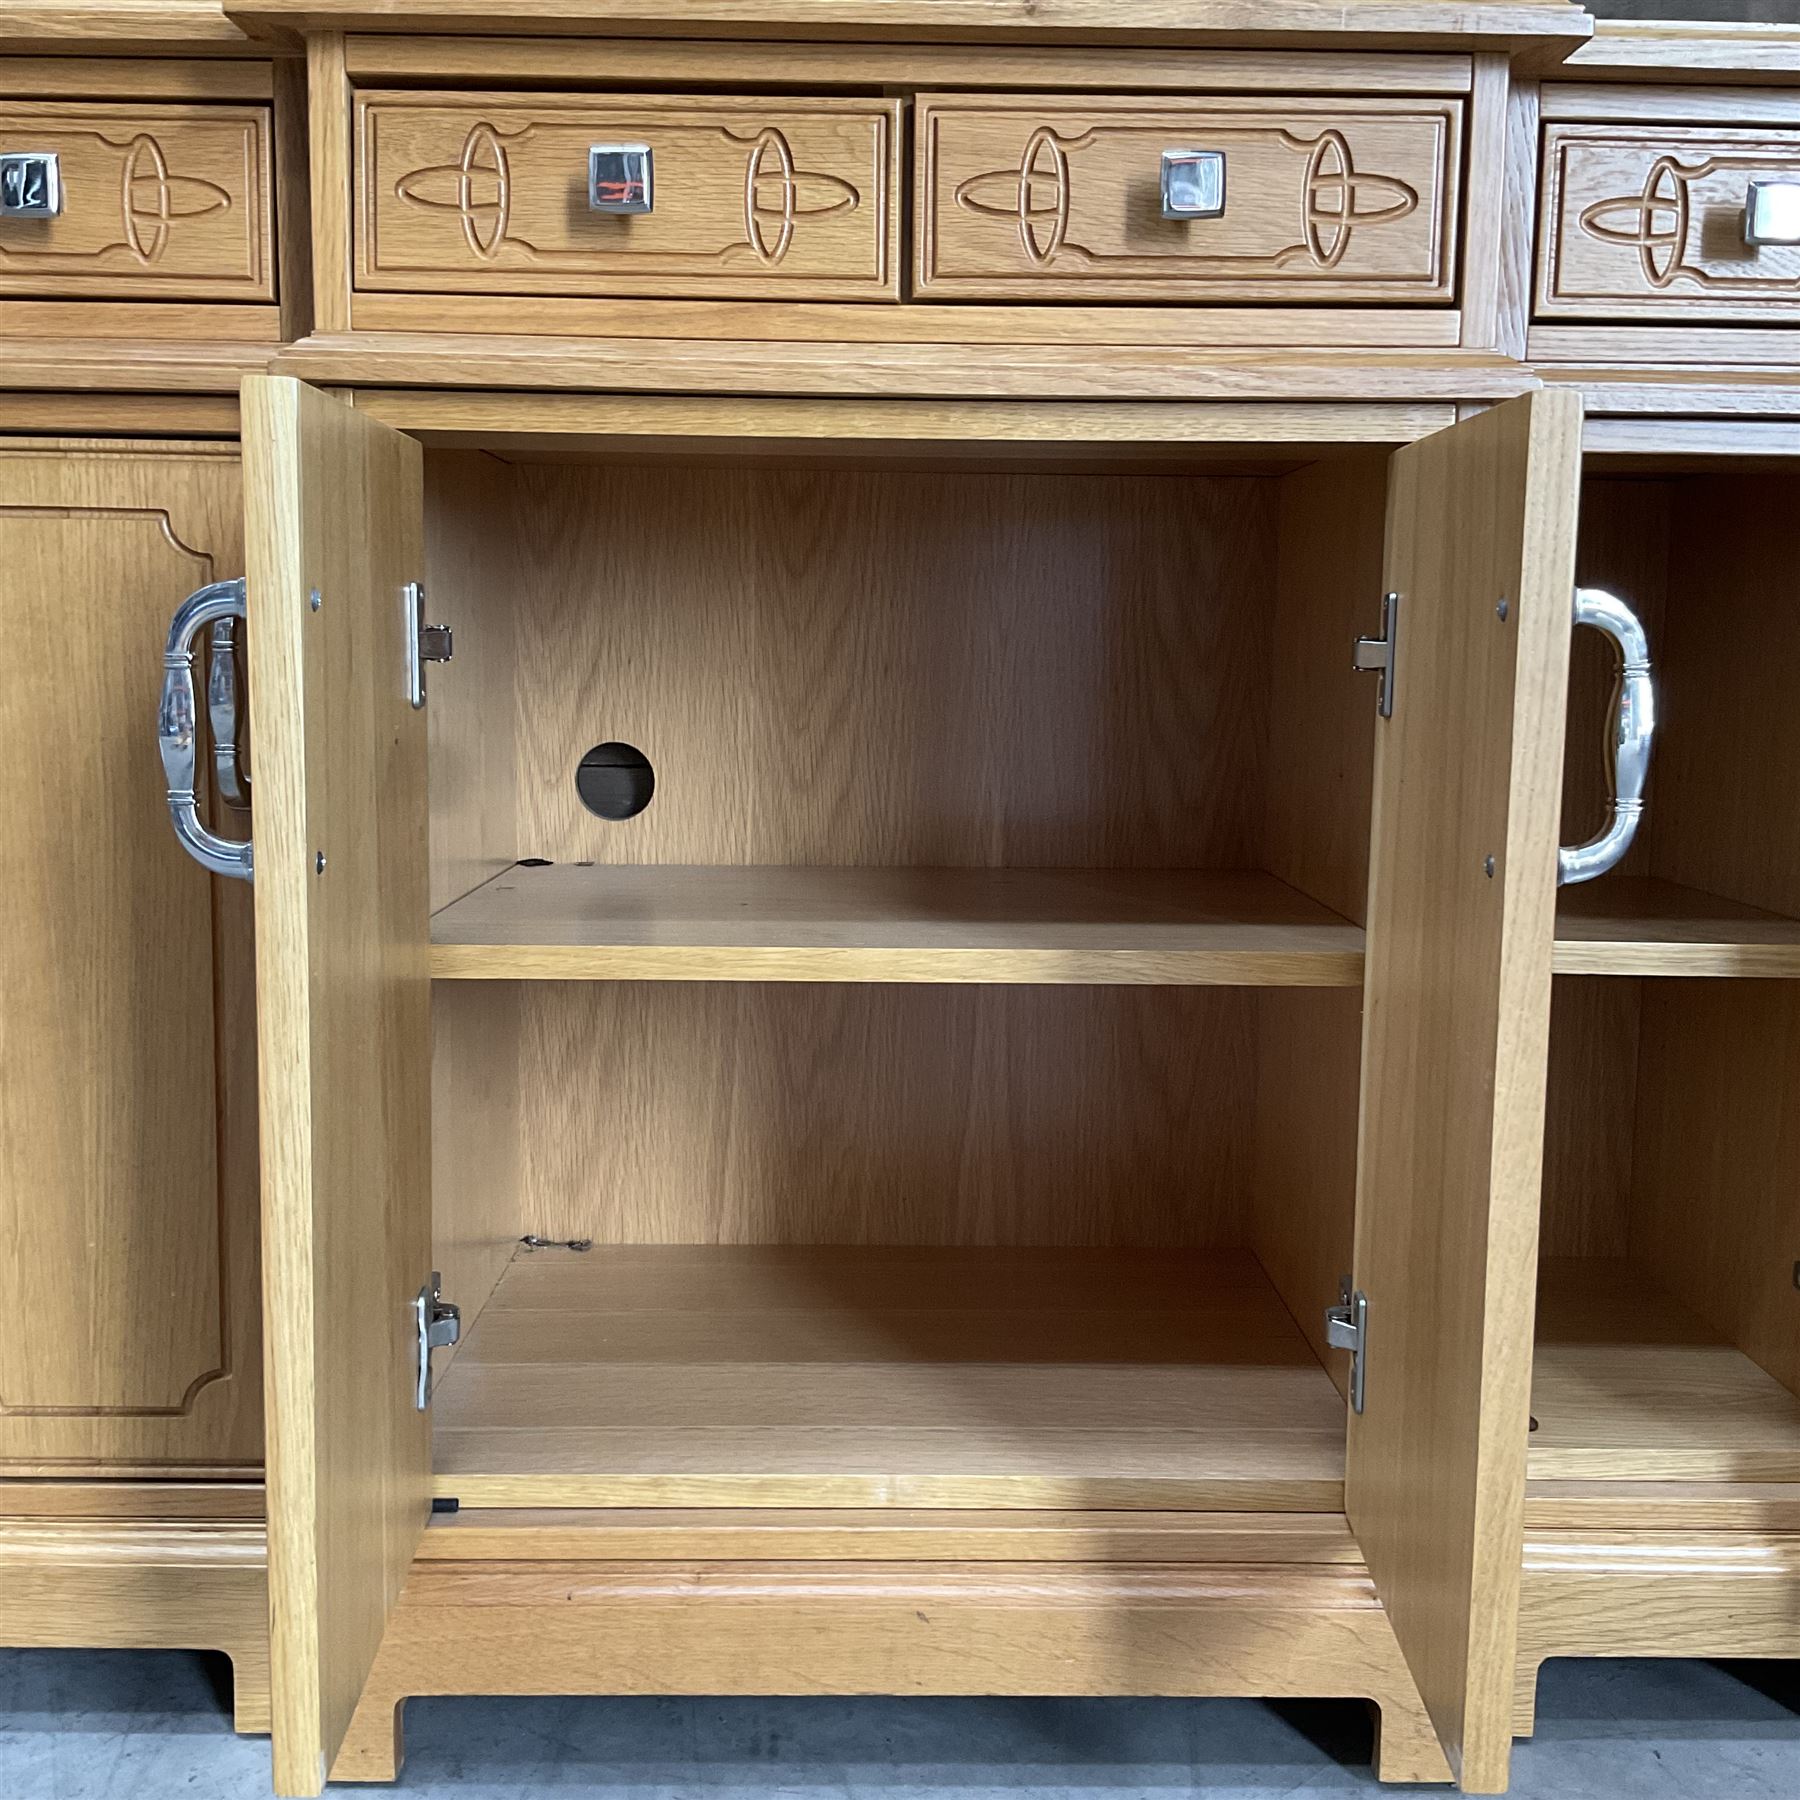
[153,1725]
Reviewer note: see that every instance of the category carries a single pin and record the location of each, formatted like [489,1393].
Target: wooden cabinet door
[128,1212]
[1468,783]
[335,531]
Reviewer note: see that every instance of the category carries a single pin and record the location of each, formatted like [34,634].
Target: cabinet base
[536,1627]
[127,1584]
[1653,1593]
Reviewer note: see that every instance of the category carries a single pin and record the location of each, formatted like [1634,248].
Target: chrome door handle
[177,721]
[231,766]
[1630,726]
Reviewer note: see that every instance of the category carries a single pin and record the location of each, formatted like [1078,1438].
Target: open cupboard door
[1468,787]
[334,512]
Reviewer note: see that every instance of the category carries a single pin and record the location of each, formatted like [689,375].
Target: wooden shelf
[1629,1385]
[1641,927]
[669,1376]
[575,922]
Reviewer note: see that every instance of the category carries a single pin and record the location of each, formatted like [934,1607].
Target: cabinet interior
[1668,1330]
[953,1069]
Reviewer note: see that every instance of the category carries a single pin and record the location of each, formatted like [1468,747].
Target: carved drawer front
[157,203]
[749,197]
[1648,222]
[1323,200]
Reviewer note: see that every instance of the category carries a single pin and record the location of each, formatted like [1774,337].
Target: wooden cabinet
[1001,1118]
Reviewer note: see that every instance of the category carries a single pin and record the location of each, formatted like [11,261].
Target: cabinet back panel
[669,1114]
[1716,1207]
[1728,755]
[878,667]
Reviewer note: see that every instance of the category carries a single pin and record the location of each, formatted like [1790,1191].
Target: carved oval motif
[1334,191]
[1654,222]
[776,193]
[1035,195]
[477,187]
[152,199]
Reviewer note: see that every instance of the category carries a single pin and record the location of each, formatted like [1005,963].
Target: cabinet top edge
[1502,25]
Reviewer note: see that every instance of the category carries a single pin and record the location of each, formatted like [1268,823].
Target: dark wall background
[1759,12]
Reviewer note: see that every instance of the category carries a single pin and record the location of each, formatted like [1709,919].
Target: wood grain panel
[1647,222]
[128,1277]
[1031,196]
[1590,1105]
[334,503]
[1168,928]
[791,198]
[893,668]
[1456,1028]
[159,202]
[861,1378]
[720,1113]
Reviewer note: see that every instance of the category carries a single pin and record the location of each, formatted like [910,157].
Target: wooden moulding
[1264,1627]
[611,62]
[194,1583]
[950,371]
[1653,1593]
[1671,53]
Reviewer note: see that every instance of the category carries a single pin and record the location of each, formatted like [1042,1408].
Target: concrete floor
[152,1725]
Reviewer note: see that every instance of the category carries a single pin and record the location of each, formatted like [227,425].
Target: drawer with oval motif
[1227,199]
[1670,223]
[723,197]
[136,202]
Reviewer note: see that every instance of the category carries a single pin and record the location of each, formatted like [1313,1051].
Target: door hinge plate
[1381,655]
[439,1325]
[1347,1328]
[424,643]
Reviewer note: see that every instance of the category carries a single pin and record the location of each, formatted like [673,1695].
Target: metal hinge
[439,1326]
[424,643]
[1347,1328]
[1380,654]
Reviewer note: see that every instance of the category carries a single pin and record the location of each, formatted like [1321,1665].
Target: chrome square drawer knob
[619,178]
[30,185]
[1772,213]
[1193,184]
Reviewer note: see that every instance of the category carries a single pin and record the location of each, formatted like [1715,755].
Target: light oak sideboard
[898,685]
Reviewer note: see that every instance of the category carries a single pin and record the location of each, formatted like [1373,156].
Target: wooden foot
[1525,1685]
[252,1706]
[1406,1743]
[374,1748]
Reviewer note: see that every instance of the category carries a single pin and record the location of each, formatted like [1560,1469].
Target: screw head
[1487,867]
[1502,609]
[315,599]
[318,862]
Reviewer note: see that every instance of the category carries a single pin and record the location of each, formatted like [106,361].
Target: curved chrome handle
[1631,724]
[176,721]
[231,767]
